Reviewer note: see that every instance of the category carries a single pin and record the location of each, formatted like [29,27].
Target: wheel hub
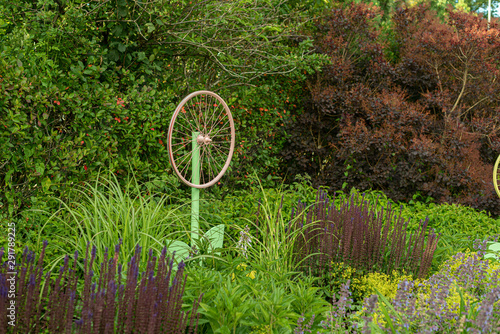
[203,139]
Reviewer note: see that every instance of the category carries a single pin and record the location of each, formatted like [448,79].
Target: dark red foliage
[427,121]
[152,304]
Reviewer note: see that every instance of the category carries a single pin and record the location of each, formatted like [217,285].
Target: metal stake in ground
[195,192]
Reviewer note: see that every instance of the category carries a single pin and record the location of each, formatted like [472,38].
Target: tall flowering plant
[463,296]
[148,304]
[356,234]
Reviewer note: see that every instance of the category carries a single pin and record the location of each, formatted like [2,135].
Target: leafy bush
[274,244]
[148,304]
[57,133]
[233,300]
[457,225]
[82,94]
[246,207]
[358,235]
[453,219]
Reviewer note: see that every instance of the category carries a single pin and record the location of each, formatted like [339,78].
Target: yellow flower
[242,267]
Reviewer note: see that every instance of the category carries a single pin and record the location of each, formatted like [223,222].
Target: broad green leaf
[150,27]
[180,248]
[40,168]
[495,247]
[216,237]
[46,183]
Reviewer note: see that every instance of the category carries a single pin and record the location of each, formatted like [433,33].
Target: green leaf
[40,168]
[216,237]
[462,302]
[122,11]
[223,330]
[46,183]
[383,305]
[495,247]
[141,56]
[121,47]
[180,248]
[150,27]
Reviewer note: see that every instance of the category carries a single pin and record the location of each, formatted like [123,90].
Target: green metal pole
[195,192]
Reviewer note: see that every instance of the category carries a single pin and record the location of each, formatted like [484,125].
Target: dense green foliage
[236,281]
[235,299]
[91,85]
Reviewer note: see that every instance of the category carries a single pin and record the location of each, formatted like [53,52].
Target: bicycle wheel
[201,139]
[496,176]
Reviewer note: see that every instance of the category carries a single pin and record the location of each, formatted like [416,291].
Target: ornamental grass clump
[103,212]
[145,303]
[358,235]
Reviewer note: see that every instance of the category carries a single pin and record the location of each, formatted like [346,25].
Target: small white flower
[245,240]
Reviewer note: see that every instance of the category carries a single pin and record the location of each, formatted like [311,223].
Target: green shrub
[240,207]
[79,94]
[233,300]
[453,219]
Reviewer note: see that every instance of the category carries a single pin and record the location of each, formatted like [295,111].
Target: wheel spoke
[220,152]
[213,120]
[221,142]
[181,172]
[189,130]
[209,165]
[203,113]
[181,158]
[183,140]
[179,143]
[178,149]
[215,123]
[214,161]
[216,156]
[206,112]
[221,134]
[182,134]
[194,117]
[189,162]
[215,134]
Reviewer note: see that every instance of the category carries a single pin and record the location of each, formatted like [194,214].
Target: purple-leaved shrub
[146,303]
